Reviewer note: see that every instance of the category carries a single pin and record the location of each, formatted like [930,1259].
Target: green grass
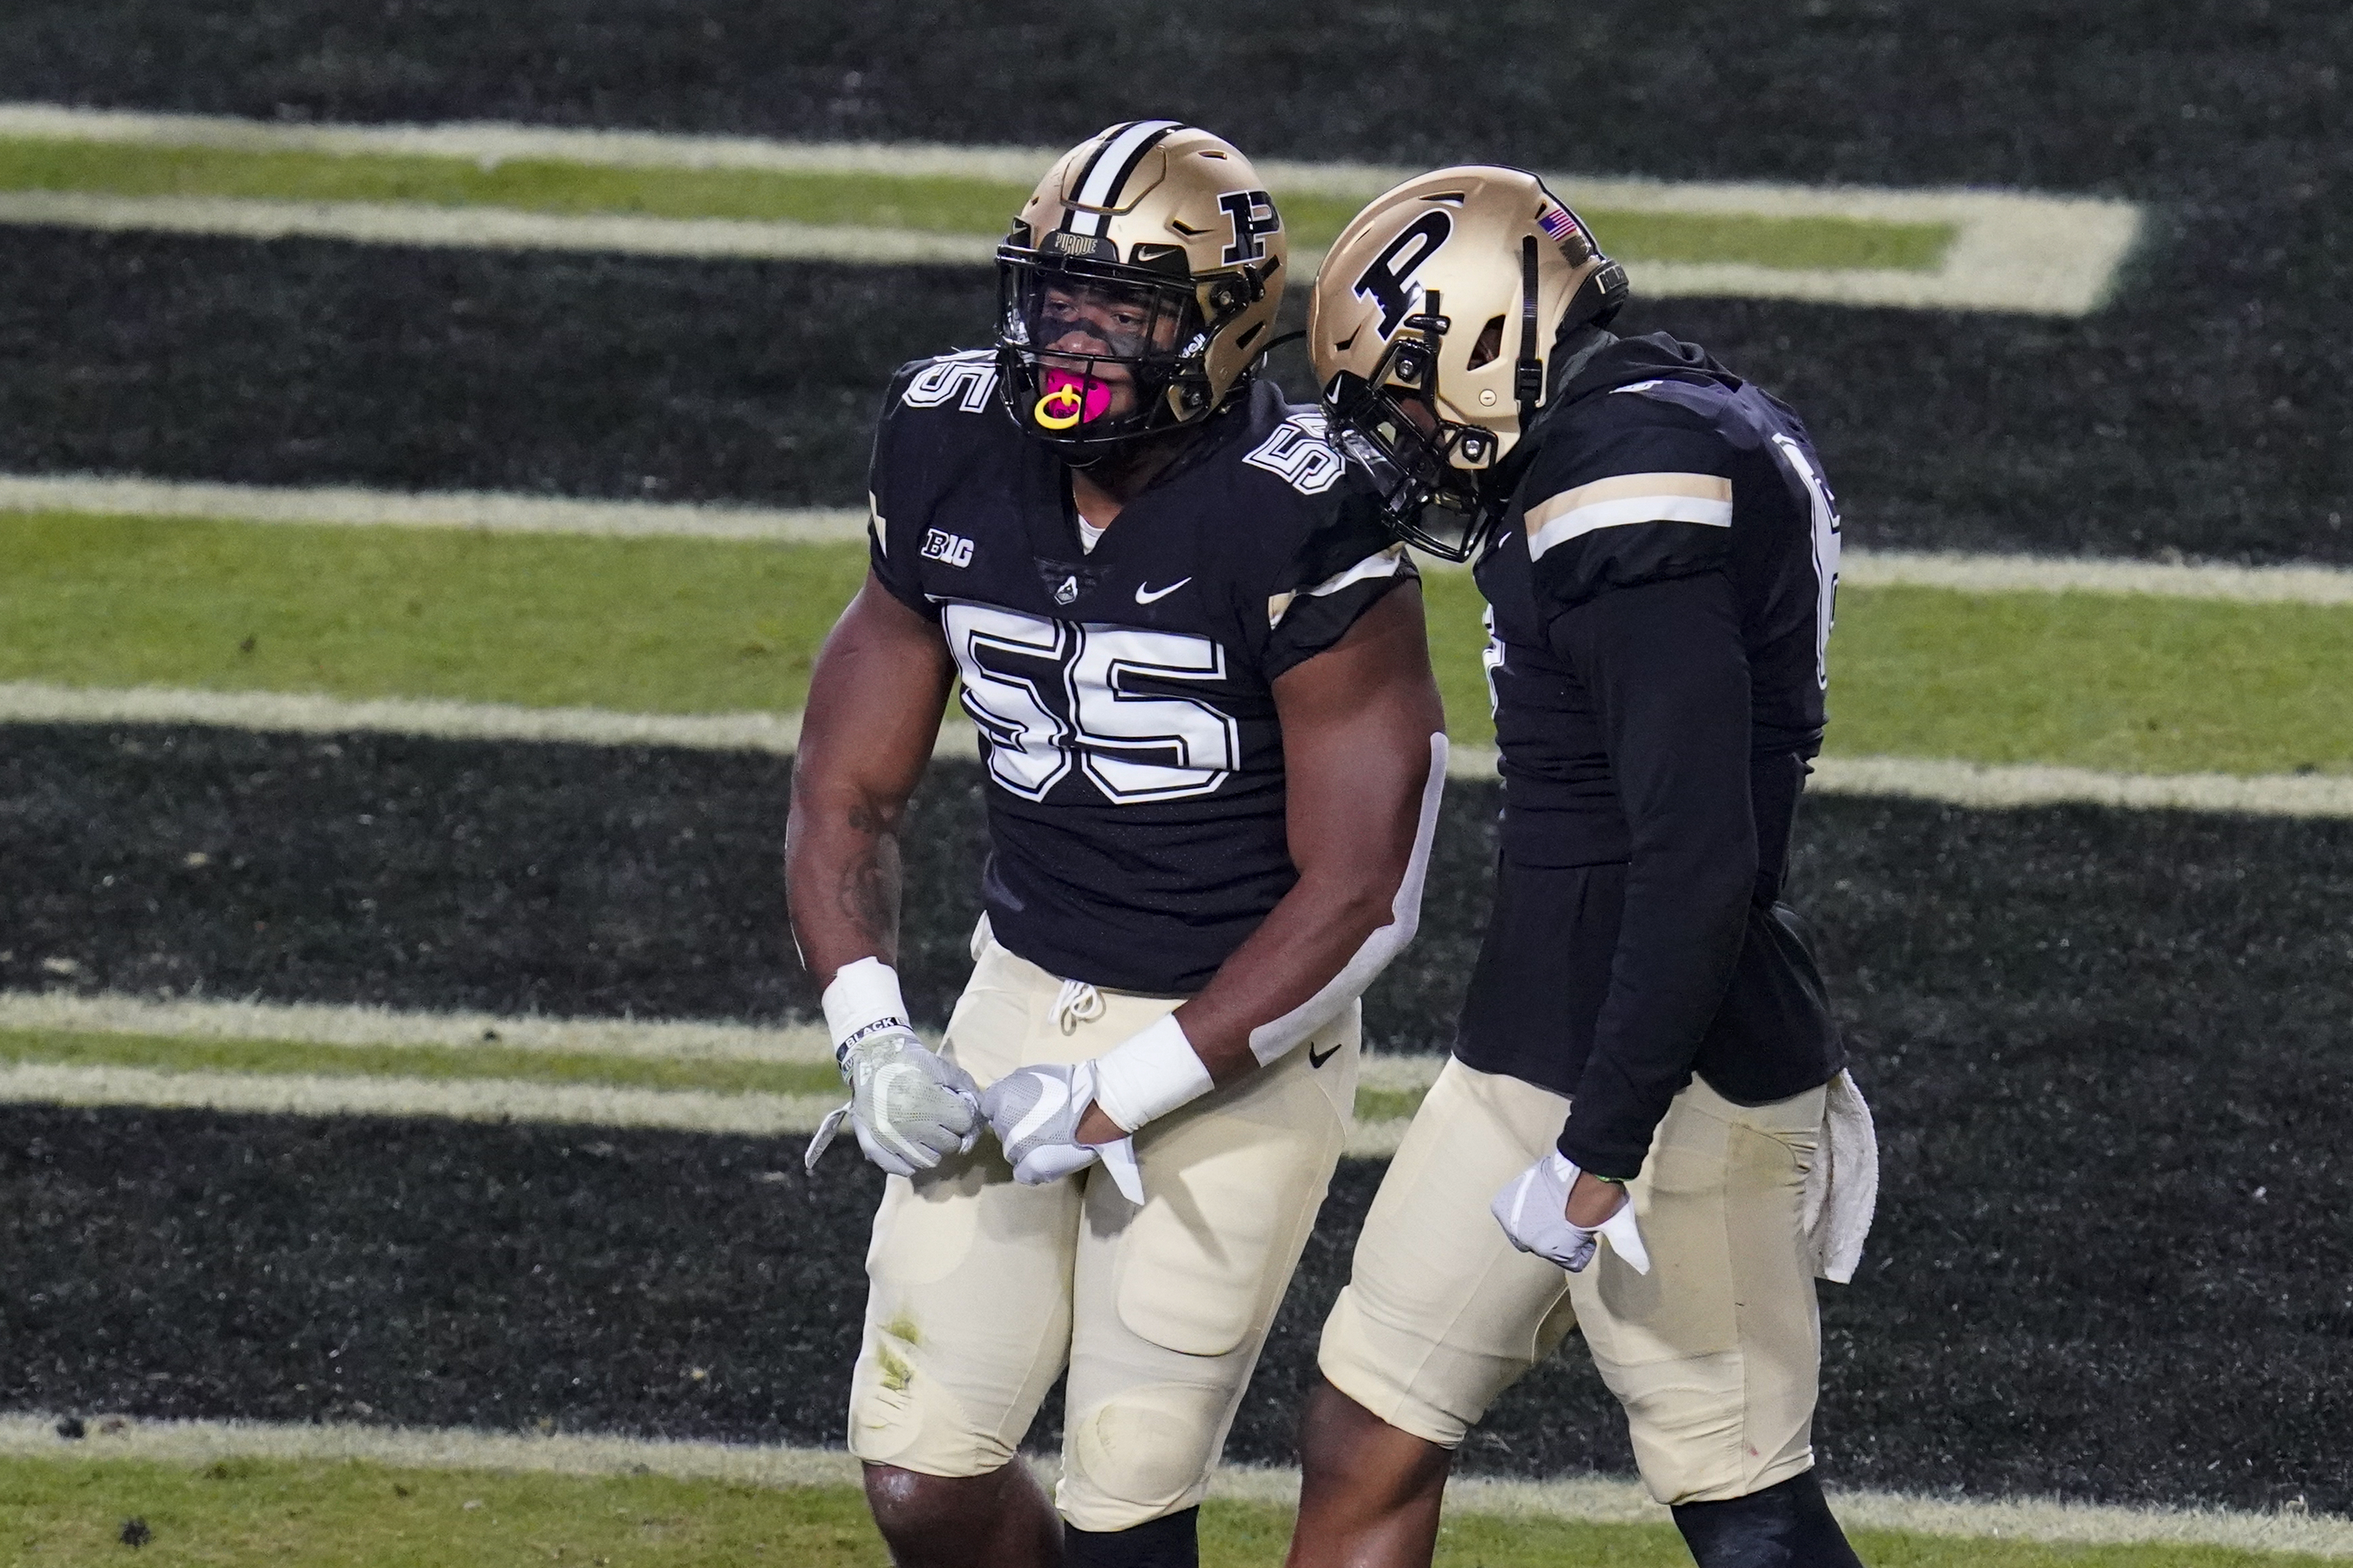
[1387,1104]
[929,202]
[179,1054]
[70,1513]
[651,626]
[2134,684]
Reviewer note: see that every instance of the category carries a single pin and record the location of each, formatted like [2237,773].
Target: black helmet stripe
[1106,173]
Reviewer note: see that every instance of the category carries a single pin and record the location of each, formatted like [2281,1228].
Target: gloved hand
[910,1107]
[1533,1209]
[1035,1112]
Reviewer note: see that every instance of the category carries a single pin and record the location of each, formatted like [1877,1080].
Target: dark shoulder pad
[1625,488]
[1341,570]
[906,466]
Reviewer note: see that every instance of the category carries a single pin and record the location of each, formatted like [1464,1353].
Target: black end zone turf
[2203,412]
[2106,1048]
[566,880]
[306,362]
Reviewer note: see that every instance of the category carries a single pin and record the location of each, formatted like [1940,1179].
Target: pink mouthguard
[1065,388]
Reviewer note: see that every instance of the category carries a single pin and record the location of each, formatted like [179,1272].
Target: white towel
[1843,1189]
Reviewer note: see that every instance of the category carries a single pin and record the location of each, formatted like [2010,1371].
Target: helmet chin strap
[1527,375]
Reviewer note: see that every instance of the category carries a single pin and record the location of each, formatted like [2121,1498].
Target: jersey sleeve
[1669,676]
[1346,564]
[894,504]
[1642,495]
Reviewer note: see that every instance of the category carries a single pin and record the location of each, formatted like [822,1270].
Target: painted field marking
[490,228]
[506,511]
[1594,1500]
[491,511]
[1963,783]
[2011,573]
[2011,251]
[475,1099]
[459,1099]
[116,1013]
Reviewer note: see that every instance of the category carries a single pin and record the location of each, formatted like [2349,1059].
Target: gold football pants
[1715,1354]
[982,1291]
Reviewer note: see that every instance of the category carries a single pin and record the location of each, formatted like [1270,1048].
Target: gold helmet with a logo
[1432,328]
[1138,287]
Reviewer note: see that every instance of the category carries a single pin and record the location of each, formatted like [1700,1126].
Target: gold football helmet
[1137,289]
[1432,328]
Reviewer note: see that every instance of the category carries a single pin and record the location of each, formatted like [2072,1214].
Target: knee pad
[1139,1456]
[1170,1542]
[1788,1525]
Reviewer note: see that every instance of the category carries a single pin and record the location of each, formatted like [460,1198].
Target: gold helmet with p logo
[1138,287]
[1432,330]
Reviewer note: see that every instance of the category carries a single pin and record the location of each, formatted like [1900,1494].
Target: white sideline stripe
[2011,250]
[1997,785]
[495,511]
[114,1013]
[119,1012]
[461,1100]
[2079,575]
[495,229]
[1591,1500]
[39,702]
[1963,783]
[490,510]
[469,1100]
[1989,786]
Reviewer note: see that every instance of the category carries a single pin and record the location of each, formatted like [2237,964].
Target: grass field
[347,1514]
[923,203]
[2132,683]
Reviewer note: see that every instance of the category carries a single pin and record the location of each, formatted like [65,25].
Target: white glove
[910,1107]
[1533,1209]
[1035,1112]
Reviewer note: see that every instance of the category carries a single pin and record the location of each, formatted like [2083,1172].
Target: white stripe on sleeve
[1626,498]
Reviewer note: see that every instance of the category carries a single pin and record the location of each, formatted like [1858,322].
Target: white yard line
[2013,251]
[110,1013]
[491,511]
[1963,783]
[1588,1501]
[2083,575]
[463,1099]
[468,1099]
[1993,787]
[494,228]
[300,713]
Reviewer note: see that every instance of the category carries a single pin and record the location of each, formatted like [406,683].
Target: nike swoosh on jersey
[1315,1060]
[1145,596]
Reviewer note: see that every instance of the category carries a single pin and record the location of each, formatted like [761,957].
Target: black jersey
[1125,694]
[1660,602]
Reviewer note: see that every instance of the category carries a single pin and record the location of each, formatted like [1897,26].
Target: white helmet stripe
[1100,185]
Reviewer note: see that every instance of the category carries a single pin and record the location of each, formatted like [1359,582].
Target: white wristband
[1149,1074]
[863,1000]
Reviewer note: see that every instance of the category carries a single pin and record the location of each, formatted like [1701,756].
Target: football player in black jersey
[1213,750]
[1647,1092]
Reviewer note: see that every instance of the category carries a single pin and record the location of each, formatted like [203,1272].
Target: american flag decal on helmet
[1559,223]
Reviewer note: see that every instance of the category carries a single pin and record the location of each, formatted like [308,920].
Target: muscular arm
[875,698]
[1358,720]
[1357,724]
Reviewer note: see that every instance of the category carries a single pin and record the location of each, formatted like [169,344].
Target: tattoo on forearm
[868,895]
